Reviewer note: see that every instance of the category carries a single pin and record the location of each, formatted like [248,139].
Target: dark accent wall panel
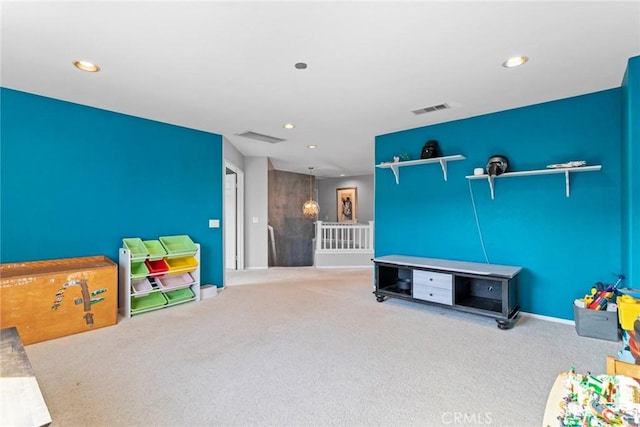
[293,233]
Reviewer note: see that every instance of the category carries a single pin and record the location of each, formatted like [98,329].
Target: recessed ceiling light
[312,146]
[515,61]
[288,125]
[300,65]
[86,66]
[341,174]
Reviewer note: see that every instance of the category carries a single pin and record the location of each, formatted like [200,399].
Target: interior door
[230,223]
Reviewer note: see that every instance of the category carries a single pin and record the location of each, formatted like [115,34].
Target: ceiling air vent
[431,109]
[261,137]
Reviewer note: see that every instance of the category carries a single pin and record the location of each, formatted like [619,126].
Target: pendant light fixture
[310,208]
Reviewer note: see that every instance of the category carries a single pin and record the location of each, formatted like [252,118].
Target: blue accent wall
[77,180]
[631,173]
[565,244]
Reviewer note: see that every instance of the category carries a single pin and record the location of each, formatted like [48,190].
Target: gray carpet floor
[308,347]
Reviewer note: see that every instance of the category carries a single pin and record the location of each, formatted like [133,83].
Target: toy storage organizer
[157,274]
[601,324]
[55,298]
[605,324]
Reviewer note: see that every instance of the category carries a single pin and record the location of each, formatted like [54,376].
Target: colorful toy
[601,295]
[599,400]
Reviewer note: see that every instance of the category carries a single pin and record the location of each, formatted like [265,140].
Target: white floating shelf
[395,166]
[565,171]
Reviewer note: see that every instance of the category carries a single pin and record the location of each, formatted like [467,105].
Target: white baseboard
[343,266]
[549,318]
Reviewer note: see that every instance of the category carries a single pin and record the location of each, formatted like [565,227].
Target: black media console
[485,289]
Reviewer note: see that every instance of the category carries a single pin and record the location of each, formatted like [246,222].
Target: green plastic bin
[153,300]
[136,247]
[155,249]
[179,295]
[178,245]
[138,270]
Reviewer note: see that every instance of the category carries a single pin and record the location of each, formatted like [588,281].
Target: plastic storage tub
[178,245]
[175,282]
[153,300]
[179,295]
[139,269]
[182,265]
[155,249]
[136,247]
[628,310]
[141,287]
[156,267]
[600,324]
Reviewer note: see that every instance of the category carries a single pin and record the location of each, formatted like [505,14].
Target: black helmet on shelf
[430,150]
[497,165]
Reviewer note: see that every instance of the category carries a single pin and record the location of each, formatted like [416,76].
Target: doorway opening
[233,217]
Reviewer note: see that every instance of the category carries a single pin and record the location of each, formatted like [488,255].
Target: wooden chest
[55,298]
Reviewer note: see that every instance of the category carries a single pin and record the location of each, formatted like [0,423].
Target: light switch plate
[214,223]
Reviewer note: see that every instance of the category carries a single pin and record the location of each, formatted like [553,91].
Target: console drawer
[433,294]
[431,278]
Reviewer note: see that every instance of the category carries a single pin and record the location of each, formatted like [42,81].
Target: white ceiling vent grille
[431,109]
[261,137]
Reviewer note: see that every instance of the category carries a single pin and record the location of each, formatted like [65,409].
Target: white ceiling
[228,67]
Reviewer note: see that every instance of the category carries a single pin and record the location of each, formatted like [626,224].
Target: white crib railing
[343,236]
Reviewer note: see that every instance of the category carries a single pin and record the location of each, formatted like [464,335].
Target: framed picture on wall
[347,204]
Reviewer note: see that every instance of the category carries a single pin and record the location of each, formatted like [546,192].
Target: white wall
[232,154]
[256,212]
[327,196]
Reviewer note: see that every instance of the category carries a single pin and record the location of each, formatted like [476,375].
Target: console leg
[506,323]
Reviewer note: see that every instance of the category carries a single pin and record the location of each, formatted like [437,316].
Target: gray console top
[453,266]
